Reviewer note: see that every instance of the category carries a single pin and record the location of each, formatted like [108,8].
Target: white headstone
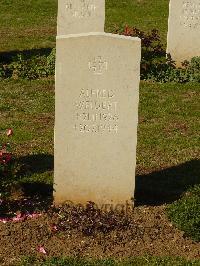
[80,16]
[97,94]
[184,30]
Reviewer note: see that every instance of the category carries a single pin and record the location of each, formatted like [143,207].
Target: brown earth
[89,233]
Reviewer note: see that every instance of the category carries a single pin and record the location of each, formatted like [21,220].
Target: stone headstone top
[80,16]
[184,30]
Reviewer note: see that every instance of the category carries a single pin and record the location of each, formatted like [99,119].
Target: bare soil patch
[66,232]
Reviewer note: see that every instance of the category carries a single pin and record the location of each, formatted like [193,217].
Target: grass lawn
[142,261]
[167,133]
[168,153]
[31,24]
[28,108]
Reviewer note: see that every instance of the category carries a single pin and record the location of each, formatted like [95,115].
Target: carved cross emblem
[98,65]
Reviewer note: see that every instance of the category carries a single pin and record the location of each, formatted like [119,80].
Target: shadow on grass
[156,188]
[36,164]
[36,197]
[167,185]
[25,196]
[8,57]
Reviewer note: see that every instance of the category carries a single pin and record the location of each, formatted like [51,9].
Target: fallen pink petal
[4,220]
[34,215]
[18,218]
[54,228]
[42,250]
[9,132]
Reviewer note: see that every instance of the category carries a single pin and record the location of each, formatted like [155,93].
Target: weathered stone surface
[80,16]
[184,30]
[97,94]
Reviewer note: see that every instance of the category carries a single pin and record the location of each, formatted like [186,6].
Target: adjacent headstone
[184,30]
[97,94]
[80,16]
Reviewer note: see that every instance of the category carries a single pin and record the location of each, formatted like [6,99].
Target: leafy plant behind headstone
[155,65]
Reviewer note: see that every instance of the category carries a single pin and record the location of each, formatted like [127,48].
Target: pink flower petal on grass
[4,220]
[18,218]
[42,250]
[34,215]
[9,132]
[54,228]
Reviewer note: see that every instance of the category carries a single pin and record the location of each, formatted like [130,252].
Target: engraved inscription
[96,111]
[190,17]
[80,8]
[98,65]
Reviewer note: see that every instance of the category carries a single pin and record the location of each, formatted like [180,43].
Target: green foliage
[155,65]
[185,213]
[51,62]
[2,71]
[167,72]
[193,69]
[31,68]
